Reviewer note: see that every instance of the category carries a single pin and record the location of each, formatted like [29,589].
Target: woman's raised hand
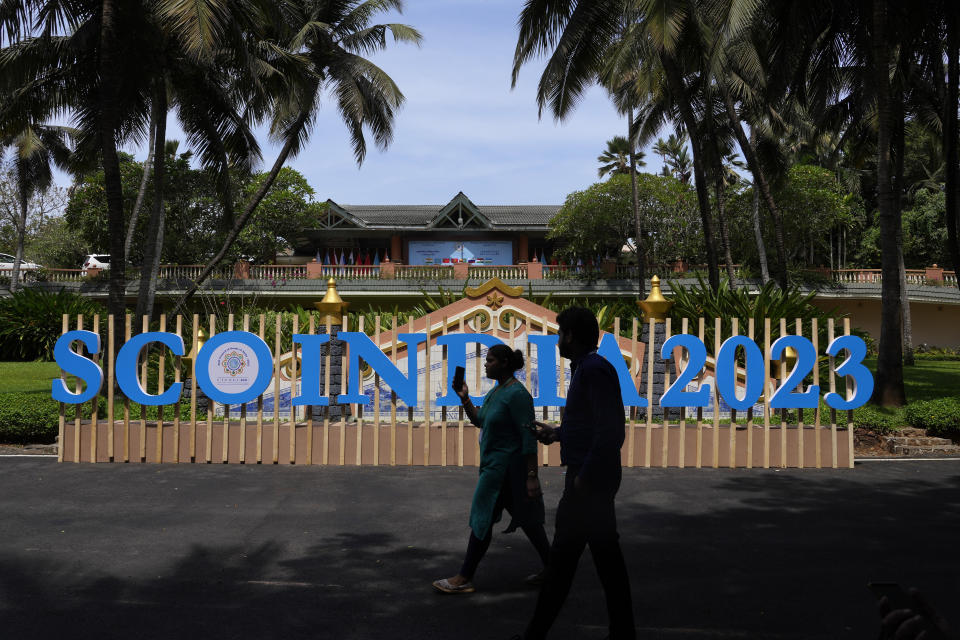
[463,392]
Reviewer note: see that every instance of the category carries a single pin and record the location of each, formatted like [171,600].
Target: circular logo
[233,368]
[234,363]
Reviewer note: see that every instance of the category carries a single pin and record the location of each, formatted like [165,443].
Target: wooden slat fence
[683,437]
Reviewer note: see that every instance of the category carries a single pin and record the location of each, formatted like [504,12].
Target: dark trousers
[477,548]
[585,518]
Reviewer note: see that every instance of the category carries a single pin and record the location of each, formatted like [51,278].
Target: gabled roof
[429,216]
[337,217]
[460,213]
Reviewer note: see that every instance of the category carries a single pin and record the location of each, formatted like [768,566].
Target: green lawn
[928,379]
[35,377]
[28,377]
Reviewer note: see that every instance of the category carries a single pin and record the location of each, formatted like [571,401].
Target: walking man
[590,435]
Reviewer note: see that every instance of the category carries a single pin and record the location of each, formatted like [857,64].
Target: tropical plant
[691,303]
[615,160]
[329,41]
[31,321]
[673,154]
[35,149]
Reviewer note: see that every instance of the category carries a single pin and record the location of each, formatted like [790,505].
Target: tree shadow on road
[712,554]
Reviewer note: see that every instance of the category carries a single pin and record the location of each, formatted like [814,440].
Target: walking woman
[508,467]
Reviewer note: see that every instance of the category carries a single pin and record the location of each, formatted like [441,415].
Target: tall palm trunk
[135,214]
[888,388]
[908,358]
[951,142]
[759,181]
[154,235]
[676,86]
[757,231]
[724,236]
[639,234]
[113,190]
[758,234]
[21,236]
[899,148]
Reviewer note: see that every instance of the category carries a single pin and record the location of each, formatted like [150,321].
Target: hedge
[28,418]
[34,418]
[940,417]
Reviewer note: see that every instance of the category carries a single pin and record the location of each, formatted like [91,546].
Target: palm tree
[63,61]
[34,149]
[618,75]
[200,77]
[330,39]
[578,38]
[724,177]
[676,159]
[951,135]
[615,160]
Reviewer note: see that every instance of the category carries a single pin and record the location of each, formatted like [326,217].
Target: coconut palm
[63,61]
[661,40]
[615,160]
[201,77]
[34,150]
[330,38]
[676,159]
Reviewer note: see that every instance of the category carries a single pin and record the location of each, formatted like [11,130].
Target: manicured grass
[932,379]
[28,377]
[928,379]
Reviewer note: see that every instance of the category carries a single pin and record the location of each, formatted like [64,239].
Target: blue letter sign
[235,367]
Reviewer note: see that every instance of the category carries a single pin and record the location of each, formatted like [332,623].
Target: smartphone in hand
[458,378]
[893,592]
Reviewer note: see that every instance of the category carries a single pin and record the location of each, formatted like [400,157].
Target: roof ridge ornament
[491,285]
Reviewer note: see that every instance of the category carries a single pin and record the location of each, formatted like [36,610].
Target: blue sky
[462,128]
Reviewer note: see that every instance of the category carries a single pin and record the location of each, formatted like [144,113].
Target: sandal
[443,585]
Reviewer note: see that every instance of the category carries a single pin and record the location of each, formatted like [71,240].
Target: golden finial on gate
[655,307]
[332,306]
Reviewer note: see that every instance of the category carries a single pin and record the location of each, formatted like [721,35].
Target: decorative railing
[180,271]
[933,276]
[46,275]
[918,277]
[192,272]
[558,271]
[349,271]
[424,272]
[278,272]
[504,272]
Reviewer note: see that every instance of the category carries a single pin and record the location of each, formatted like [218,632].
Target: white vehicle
[97,261]
[6,262]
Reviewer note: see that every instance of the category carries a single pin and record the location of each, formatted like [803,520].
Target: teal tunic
[505,441]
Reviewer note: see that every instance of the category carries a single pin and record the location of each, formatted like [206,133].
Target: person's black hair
[581,324]
[513,357]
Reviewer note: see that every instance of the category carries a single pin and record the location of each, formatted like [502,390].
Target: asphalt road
[197,551]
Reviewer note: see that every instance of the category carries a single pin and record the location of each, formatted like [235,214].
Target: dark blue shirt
[593,426]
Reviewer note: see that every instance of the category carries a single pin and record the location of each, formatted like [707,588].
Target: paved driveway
[148,551]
